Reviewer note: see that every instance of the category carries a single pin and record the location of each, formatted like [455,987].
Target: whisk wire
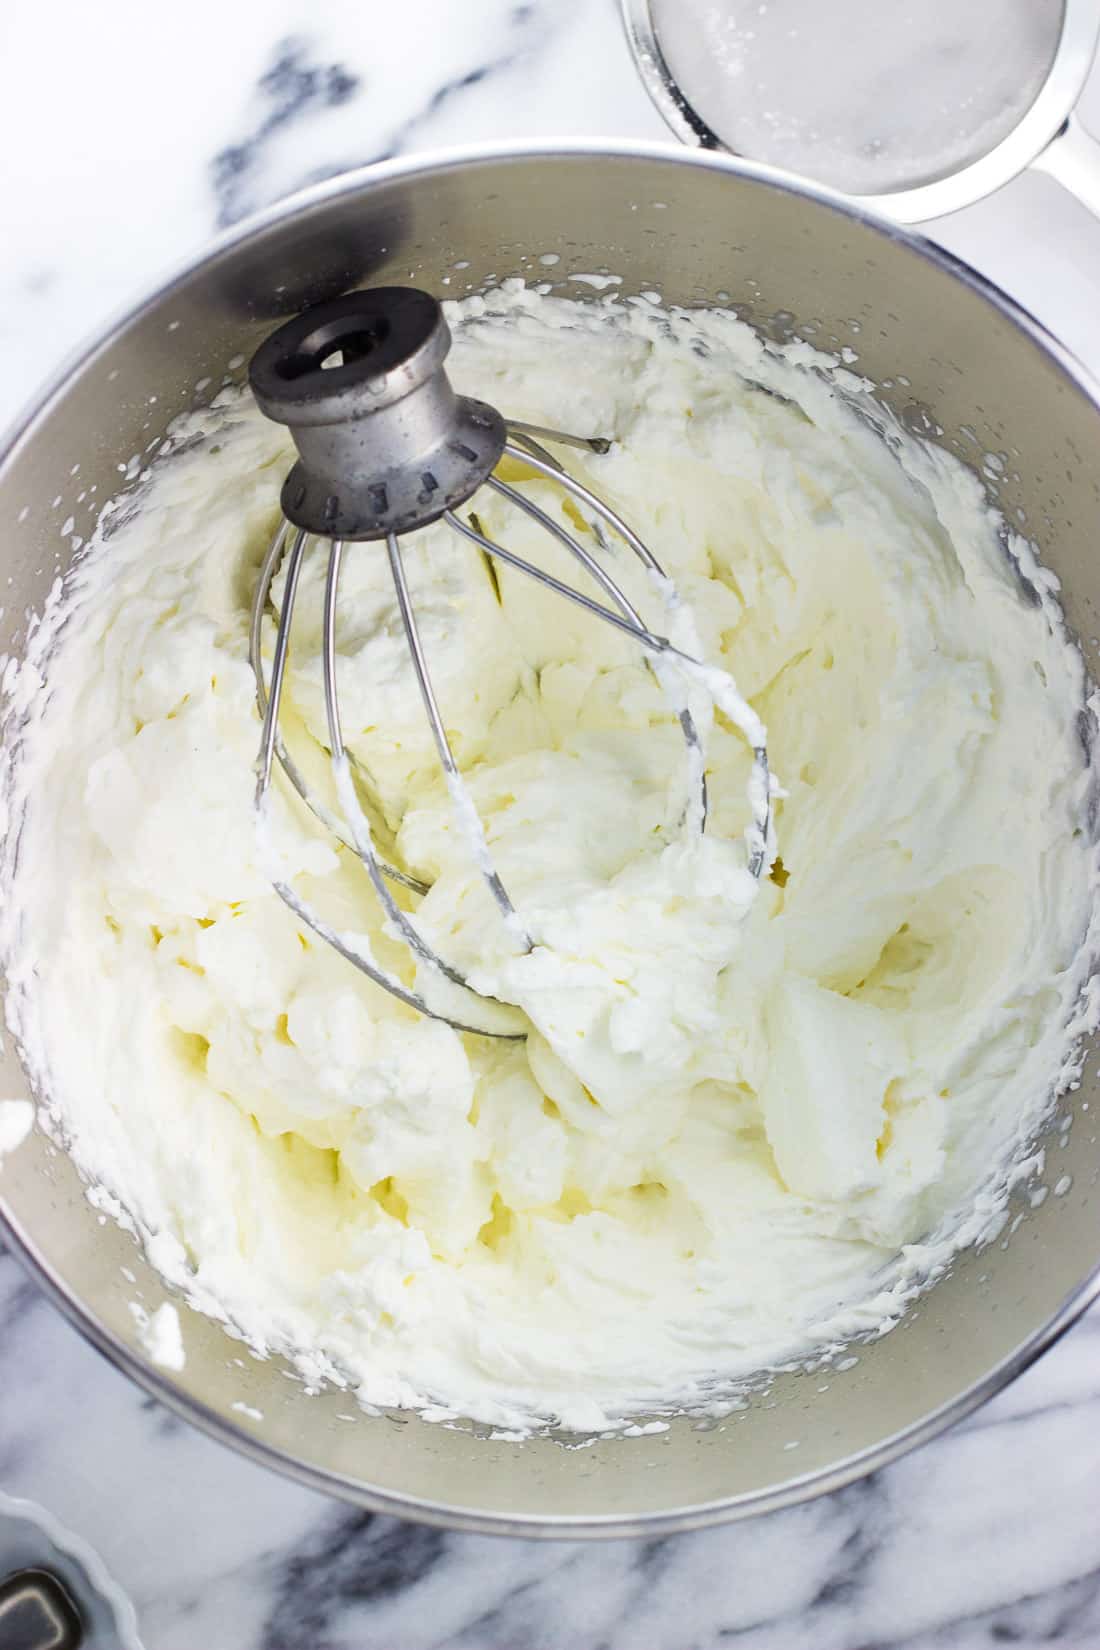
[469,818]
[268,736]
[555,472]
[611,589]
[630,627]
[345,785]
[585,443]
[648,639]
[260,604]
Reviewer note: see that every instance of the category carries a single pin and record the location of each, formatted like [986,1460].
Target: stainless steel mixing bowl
[957,362]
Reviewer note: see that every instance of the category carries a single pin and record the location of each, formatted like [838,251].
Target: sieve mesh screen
[868,96]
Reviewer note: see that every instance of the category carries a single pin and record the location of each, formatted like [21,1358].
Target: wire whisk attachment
[386,447]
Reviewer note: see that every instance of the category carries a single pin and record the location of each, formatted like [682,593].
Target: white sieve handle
[1072,159]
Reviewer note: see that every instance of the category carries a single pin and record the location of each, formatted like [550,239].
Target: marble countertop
[130,134]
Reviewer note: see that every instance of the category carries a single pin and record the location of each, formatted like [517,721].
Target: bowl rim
[140,1369]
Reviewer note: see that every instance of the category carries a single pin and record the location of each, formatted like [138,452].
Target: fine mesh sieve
[917,109]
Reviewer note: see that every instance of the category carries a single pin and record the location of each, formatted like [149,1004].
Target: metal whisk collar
[386,447]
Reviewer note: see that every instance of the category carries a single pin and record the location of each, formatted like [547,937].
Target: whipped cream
[16,1122]
[748,1118]
[160,1334]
